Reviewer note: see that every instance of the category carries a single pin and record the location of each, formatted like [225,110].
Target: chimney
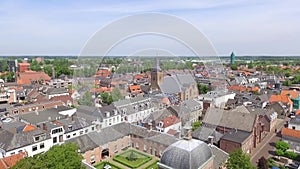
[211,139]
[44,126]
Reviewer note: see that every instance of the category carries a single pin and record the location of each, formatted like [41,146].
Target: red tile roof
[169,121]
[135,89]
[28,76]
[290,132]
[103,73]
[280,98]
[28,127]
[8,162]
[64,98]
[293,93]
[102,89]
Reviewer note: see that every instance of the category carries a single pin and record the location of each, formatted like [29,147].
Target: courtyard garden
[132,158]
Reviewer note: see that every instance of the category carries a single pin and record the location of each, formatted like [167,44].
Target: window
[81,132]
[137,145]
[145,147]
[20,151]
[34,148]
[93,128]
[59,130]
[74,134]
[12,153]
[68,136]
[42,145]
[293,127]
[87,130]
[54,139]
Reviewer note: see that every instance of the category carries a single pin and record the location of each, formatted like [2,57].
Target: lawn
[102,164]
[132,158]
[153,165]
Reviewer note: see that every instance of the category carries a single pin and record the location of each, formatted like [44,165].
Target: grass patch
[153,165]
[132,158]
[102,164]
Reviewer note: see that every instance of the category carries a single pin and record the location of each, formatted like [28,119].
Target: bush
[279,152]
[290,155]
[281,145]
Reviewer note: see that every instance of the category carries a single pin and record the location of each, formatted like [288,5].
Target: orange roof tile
[13,159]
[170,121]
[28,127]
[2,164]
[290,132]
[135,88]
[64,98]
[280,98]
[28,76]
[166,101]
[292,93]
[103,73]
[297,112]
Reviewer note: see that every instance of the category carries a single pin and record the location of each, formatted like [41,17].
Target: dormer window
[115,112]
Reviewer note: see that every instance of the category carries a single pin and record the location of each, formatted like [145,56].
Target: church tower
[156,76]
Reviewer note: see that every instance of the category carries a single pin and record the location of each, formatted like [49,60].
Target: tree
[281,145]
[58,157]
[86,99]
[287,83]
[250,65]
[202,89]
[116,94]
[234,67]
[35,66]
[262,163]
[239,160]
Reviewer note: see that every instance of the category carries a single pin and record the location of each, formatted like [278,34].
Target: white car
[6,120]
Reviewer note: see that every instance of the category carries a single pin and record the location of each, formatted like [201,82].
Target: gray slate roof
[203,133]
[220,156]
[238,118]
[237,136]
[186,154]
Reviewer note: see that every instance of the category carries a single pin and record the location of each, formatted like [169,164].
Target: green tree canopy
[116,94]
[58,157]
[239,160]
[202,89]
[281,145]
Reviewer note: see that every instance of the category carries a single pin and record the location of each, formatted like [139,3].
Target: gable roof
[239,118]
[293,93]
[28,76]
[8,162]
[169,121]
[290,132]
[280,98]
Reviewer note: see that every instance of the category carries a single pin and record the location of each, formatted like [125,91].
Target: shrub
[279,152]
[282,145]
[290,155]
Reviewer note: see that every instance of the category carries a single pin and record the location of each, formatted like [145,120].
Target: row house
[134,109]
[37,131]
[291,133]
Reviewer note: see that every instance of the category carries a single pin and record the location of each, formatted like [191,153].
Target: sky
[63,27]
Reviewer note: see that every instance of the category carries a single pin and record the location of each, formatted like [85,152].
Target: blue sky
[58,27]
